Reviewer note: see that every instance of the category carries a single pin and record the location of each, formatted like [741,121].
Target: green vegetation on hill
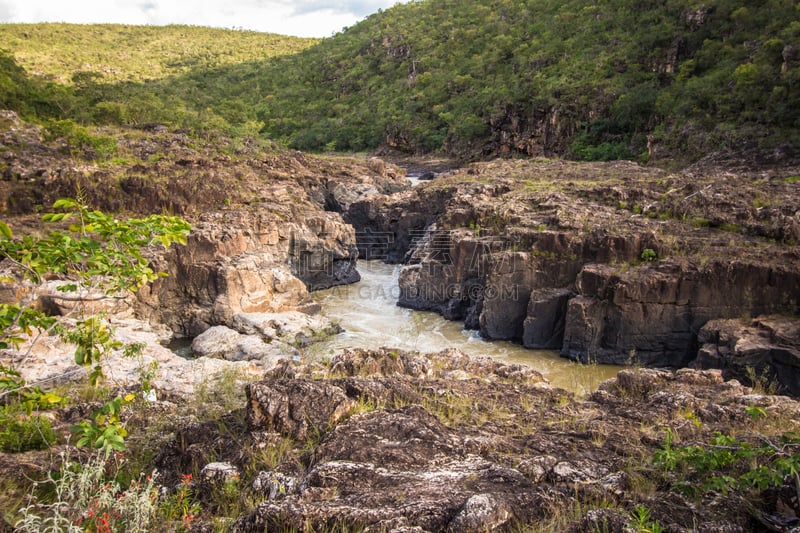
[77,54]
[588,79]
[128,75]
[604,80]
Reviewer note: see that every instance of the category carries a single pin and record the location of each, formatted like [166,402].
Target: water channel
[368,313]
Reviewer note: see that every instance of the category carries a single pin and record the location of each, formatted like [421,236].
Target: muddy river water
[370,317]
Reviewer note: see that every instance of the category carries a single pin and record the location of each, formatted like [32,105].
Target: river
[368,313]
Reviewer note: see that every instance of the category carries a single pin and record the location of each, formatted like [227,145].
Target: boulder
[51,360]
[225,343]
[506,296]
[247,262]
[651,314]
[290,327]
[215,476]
[295,408]
[275,485]
[765,348]
[501,245]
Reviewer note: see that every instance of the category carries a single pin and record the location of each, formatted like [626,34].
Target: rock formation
[765,349]
[264,234]
[607,262]
[264,230]
[384,440]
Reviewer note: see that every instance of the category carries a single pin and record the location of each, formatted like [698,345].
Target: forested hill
[587,79]
[478,78]
[110,74]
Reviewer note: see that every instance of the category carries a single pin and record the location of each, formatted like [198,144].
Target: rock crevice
[559,256]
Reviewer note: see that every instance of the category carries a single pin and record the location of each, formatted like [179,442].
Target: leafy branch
[99,257]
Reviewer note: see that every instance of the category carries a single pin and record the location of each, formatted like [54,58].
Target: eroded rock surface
[264,227]
[605,262]
[767,348]
[51,361]
[264,234]
[398,441]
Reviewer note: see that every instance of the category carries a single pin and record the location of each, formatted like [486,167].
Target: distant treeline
[591,80]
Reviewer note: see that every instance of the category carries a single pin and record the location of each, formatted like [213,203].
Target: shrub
[20,432]
[78,139]
[648,254]
[85,499]
[583,149]
[96,251]
[726,463]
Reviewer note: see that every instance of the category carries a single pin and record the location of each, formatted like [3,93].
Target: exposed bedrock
[766,348]
[385,440]
[653,315]
[551,265]
[263,230]
[389,227]
[557,297]
[248,262]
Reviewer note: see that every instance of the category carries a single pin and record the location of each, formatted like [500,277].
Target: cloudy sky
[304,18]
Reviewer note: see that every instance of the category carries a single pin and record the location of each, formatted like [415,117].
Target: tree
[98,257]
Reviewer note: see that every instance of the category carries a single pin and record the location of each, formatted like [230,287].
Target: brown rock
[766,348]
[296,408]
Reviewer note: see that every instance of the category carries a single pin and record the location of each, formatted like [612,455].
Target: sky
[303,18]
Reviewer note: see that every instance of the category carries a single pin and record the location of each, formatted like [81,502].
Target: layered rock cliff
[264,231]
[605,262]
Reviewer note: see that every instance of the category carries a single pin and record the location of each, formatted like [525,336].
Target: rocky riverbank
[264,234]
[383,440]
[606,262]
[441,442]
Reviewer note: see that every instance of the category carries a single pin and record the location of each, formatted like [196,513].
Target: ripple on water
[370,317]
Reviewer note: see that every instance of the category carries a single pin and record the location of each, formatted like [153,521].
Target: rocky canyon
[693,272]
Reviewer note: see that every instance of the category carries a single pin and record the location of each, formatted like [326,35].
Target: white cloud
[358,8]
[305,18]
[6,12]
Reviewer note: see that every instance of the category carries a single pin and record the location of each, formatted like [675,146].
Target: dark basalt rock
[544,325]
[608,263]
[766,348]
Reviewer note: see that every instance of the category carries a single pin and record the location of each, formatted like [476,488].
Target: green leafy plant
[476,228]
[726,462]
[98,257]
[648,254]
[642,522]
[14,389]
[667,457]
[18,323]
[79,138]
[104,429]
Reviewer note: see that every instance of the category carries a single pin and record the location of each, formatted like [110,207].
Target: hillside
[596,81]
[127,75]
[73,53]
[615,79]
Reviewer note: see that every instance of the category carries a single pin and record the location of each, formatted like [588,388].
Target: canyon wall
[562,264]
